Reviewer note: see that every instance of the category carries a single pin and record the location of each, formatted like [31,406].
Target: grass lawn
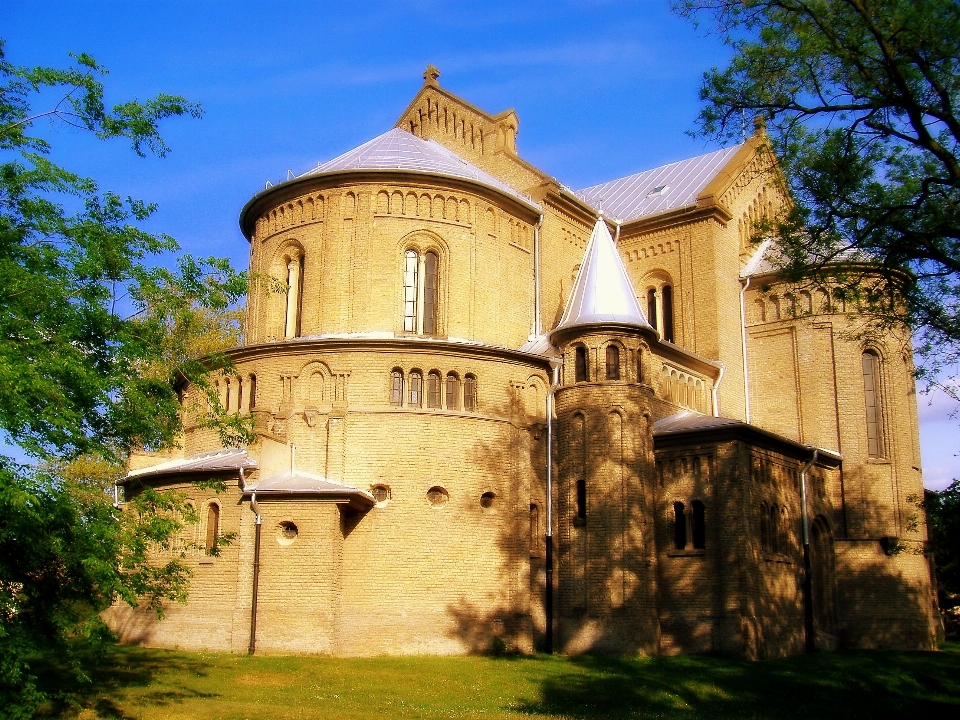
[141,683]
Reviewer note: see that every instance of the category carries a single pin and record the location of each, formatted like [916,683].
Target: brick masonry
[409,576]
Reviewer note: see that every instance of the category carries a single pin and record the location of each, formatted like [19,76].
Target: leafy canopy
[95,336]
[860,99]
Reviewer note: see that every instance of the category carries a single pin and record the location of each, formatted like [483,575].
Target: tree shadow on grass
[109,674]
[847,685]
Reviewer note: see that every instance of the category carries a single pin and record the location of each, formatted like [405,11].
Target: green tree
[95,335]
[860,99]
[943,528]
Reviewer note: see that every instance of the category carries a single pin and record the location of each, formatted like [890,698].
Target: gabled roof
[228,460]
[304,484]
[602,292]
[661,189]
[398,149]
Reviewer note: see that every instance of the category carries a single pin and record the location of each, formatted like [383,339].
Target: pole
[548,540]
[810,641]
[256,576]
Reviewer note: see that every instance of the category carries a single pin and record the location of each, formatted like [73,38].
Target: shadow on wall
[617,596]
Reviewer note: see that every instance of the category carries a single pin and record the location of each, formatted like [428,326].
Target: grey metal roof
[540,345]
[602,291]
[664,188]
[298,482]
[690,420]
[398,149]
[230,459]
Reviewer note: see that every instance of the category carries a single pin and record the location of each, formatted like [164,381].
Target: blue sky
[602,89]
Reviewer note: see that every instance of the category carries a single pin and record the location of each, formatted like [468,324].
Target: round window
[287,532]
[437,496]
[488,500]
[381,493]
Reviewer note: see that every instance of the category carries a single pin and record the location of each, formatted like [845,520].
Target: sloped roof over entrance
[661,189]
[397,149]
[303,484]
[602,292]
[218,461]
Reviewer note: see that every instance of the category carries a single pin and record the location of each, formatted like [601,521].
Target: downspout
[743,341]
[256,568]
[616,238]
[537,327]
[716,387]
[808,632]
[548,540]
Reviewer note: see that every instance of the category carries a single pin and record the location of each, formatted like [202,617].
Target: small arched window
[396,387]
[213,528]
[226,395]
[452,399]
[873,402]
[613,362]
[679,526]
[416,389]
[580,362]
[470,393]
[433,389]
[699,526]
[252,393]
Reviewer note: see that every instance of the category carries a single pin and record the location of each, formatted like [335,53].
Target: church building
[492,410]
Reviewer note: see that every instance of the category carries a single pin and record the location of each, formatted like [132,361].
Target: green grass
[142,683]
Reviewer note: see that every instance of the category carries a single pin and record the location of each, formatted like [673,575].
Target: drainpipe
[808,632]
[616,238]
[743,341]
[537,327]
[548,541]
[256,569]
[716,387]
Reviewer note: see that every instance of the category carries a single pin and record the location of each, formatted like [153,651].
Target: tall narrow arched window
[294,291]
[411,271]
[699,526]
[613,362]
[226,395]
[421,292]
[652,307]
[433,389]
[252,392]
[581,500]
[452,392]
[469,393]
[874,404]
[774,529]
[430,265]
[764,529]
[580,362]
[679,526]
[534,529]
[396,387]
[666,300]
[415,389]
[213,528]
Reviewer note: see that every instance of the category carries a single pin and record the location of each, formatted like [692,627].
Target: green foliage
[860,99]
[95,338]
[943,529]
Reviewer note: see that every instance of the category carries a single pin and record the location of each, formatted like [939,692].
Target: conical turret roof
[602,292]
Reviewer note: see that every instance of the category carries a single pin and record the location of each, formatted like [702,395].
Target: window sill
[686,553]
[579,522]
[206,561]
[777,558]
